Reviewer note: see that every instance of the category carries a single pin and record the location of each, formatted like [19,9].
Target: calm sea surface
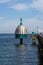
[12,53]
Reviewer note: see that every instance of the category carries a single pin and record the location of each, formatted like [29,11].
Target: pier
[40,40]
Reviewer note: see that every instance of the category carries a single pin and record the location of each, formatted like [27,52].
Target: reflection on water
[21,53]
[26,55]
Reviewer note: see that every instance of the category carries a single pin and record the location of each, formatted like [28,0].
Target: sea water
[12,53]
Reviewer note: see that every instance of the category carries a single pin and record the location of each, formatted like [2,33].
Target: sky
[31,12]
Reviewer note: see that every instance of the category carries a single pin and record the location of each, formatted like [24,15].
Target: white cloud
[8,26]
[20,6]
[40,30]
[4,1]
[32,23]
[1,17]
[38,4]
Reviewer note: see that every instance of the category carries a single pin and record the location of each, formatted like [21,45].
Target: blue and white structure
[21,31]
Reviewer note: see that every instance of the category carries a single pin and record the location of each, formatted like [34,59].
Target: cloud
[1,17]
[20,6]
[32,23]
[37,4]
[9,26]
[4,1]
[40,30]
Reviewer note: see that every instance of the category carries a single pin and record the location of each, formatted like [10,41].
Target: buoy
[21,32]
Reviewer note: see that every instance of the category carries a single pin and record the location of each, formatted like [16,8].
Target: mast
[37,29]
[20,21]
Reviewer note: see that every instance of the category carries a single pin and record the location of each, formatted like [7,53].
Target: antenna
[20,21]
[37,29]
